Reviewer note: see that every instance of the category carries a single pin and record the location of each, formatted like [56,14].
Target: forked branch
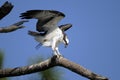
[52,62]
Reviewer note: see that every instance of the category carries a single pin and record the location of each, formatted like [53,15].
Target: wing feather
[65,27]
[46,18]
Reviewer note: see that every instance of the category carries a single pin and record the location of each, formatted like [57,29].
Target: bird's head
[65,40]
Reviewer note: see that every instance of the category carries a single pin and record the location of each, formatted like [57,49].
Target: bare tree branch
[52,62]
[13,27]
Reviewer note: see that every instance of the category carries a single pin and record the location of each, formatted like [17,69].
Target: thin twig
[13,27]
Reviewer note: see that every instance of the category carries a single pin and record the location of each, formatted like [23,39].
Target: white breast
[47,40]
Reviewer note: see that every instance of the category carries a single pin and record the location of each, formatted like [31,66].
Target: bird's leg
[54,52]
[55,48]
[57,51]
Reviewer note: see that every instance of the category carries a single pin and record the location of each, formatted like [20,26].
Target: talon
[59,55]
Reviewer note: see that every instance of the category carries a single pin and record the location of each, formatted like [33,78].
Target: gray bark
[13,27]
[49,63]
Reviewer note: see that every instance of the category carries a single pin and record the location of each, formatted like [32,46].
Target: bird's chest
[57,33]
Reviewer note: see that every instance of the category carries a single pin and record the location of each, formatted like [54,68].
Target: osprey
[49,33]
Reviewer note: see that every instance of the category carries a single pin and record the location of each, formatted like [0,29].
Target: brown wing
[46,18]
[5,9]
[65,27]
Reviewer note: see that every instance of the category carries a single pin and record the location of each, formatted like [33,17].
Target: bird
[5,9]
[48,33]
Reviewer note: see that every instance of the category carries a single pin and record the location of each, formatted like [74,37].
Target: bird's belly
[56,33]
[43,41]
[47,43]
[48,39]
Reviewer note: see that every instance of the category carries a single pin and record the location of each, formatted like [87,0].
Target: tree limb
[5,9]
[13,27]
[49,63]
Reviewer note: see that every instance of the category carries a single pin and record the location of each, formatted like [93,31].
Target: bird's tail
[32,33]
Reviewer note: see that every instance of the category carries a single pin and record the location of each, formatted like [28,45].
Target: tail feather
[32,33]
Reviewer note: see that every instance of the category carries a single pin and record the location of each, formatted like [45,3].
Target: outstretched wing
[65,27]
[47,19]
[5,9]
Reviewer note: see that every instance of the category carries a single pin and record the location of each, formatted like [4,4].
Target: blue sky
[94,37]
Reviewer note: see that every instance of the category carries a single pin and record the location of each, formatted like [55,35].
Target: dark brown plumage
[65,27]
[44,17]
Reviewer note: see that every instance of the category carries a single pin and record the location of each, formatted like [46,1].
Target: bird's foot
[57,55]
